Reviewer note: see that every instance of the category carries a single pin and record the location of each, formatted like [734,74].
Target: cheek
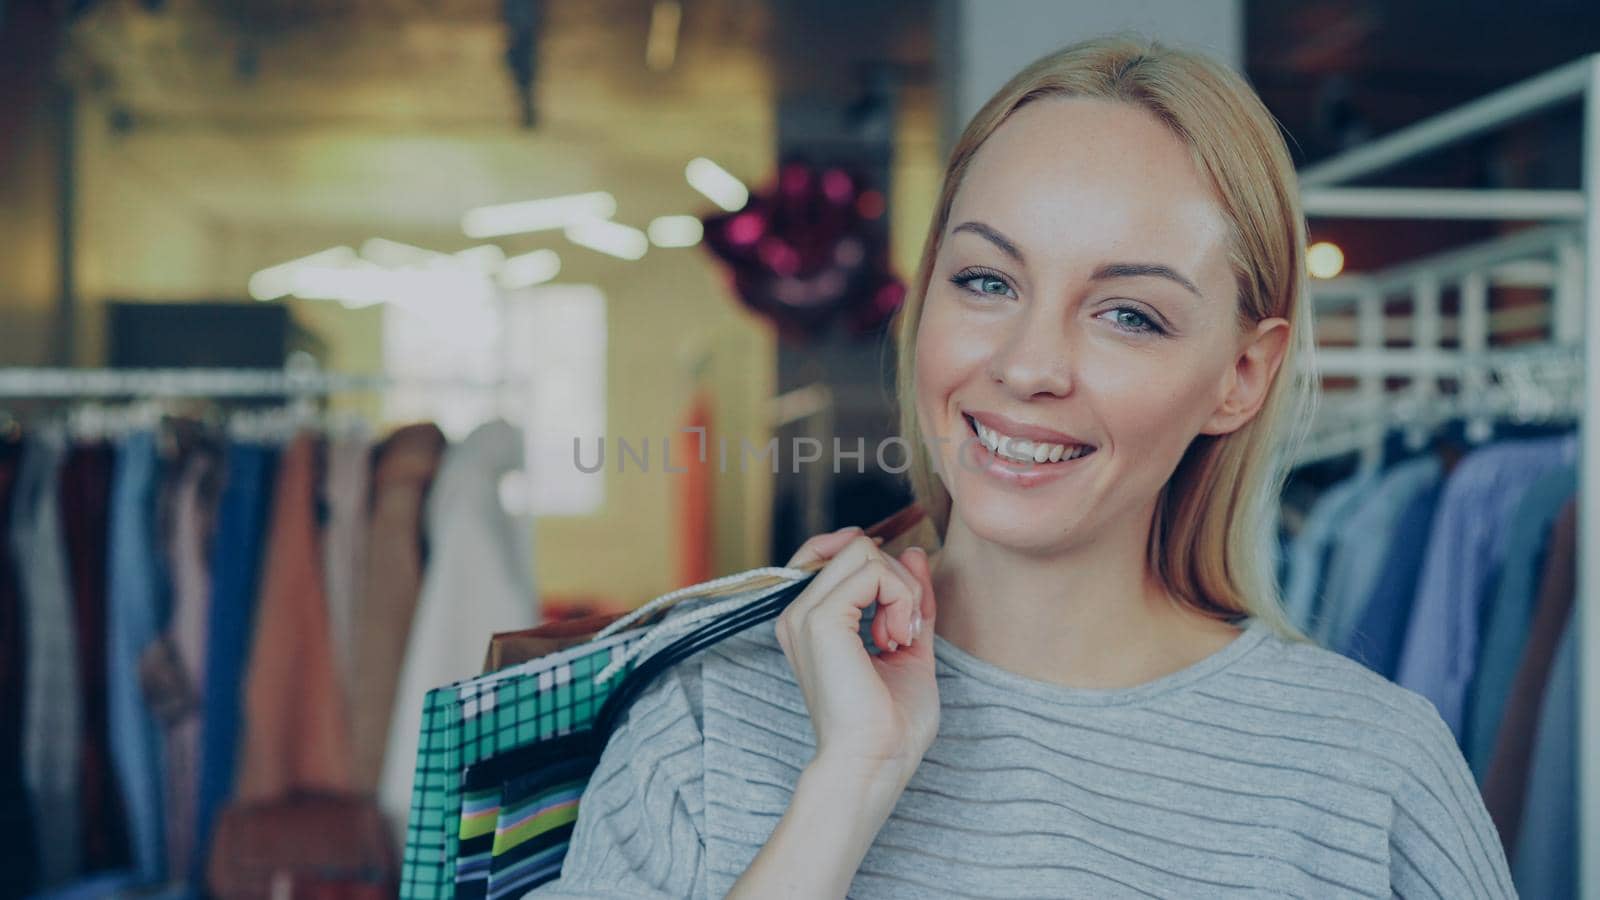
[1155,408]
[948,354]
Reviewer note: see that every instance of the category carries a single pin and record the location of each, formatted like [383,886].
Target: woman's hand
[873,715]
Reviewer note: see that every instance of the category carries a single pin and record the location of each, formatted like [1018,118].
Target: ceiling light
[537,215]
[529,269]
[609,237]
[717,184]
[675,231]
[486,258]
[394,254]
[1325,260]
[278,281]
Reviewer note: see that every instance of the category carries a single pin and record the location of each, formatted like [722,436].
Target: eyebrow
[1103,273]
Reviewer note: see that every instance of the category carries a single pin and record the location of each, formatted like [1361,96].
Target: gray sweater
[1268,769]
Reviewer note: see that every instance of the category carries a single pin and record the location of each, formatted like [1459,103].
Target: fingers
[859,551]
[916,559]
[906,624]
[823,547]
[872,581]
[903,594]
[898,594]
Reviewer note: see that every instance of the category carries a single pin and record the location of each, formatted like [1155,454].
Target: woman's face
[1082,307]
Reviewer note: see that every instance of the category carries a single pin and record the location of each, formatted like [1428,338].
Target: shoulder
[680,689]
[1439,828]
[1397,732]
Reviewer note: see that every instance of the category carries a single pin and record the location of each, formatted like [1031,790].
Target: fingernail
[894,645]
[916,624]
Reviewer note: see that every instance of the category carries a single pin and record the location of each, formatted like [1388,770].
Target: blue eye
[984,279]
[1133,321]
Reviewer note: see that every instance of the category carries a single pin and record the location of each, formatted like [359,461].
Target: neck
[1092,616]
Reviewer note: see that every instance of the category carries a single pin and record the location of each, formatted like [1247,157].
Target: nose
[1035,360]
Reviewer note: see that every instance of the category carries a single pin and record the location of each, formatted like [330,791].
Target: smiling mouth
[1025,452]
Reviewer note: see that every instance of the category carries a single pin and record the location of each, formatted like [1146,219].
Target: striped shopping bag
[503,758]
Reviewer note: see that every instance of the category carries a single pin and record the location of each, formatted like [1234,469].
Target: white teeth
[1023,450]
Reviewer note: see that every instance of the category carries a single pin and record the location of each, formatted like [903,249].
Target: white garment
[346,490]
[477,580]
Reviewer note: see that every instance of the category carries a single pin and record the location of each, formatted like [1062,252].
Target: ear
[1253,371]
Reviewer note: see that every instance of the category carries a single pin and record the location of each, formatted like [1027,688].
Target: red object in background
[694,526]
[560,607]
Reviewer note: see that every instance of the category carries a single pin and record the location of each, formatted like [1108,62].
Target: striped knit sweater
[1268,769]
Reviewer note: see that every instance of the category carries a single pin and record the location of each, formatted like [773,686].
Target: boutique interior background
[212,140]
[157,154]
[165,150]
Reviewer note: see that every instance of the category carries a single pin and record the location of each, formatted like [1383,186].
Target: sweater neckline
[1253,632]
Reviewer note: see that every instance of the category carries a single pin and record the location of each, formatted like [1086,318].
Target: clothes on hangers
[236,558]
[149,559]
[17,856]
[137,603]
[297,728]
[1309,553]
[52,720]
[345,489]
[1506,780]
[85,494]
[180,657]
[1547,848]
[1510,611]
[1379,635]
[472,541]
[1470,603]
[1463,557]
[406,464]
[1356,561]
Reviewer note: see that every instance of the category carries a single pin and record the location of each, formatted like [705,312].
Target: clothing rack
[1566,259]
[1531,381]
[287,382]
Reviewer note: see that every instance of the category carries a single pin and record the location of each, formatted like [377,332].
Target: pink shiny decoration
[837,187]
[778,256]
[747,228]
[794,180]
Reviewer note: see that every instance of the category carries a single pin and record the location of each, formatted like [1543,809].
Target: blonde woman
[1089,690]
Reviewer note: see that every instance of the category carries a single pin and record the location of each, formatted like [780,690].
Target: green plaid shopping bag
[552,705]
[503,758]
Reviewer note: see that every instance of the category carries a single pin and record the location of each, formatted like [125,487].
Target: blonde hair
[1215,515]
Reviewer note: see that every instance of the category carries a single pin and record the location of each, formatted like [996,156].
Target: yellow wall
[655,310]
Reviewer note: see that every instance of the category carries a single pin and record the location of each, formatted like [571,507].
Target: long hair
[1214,519]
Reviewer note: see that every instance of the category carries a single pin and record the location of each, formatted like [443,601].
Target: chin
[1028,524]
